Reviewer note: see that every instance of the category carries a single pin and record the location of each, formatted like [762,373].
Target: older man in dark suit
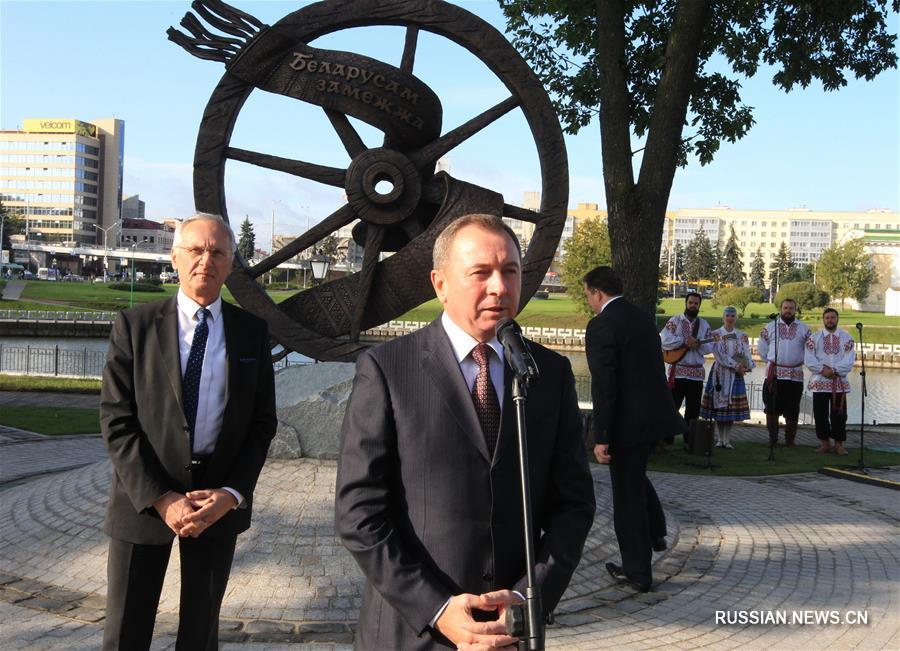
[428,497]
[187,411]
[632,410]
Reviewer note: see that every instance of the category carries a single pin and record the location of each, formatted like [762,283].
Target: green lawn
[751,459]
[53,421]
[42,383]
[557,311]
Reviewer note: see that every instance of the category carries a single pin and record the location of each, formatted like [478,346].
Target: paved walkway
[791,546]
[13,289]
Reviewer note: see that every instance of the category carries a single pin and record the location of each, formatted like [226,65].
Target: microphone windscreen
[504,323]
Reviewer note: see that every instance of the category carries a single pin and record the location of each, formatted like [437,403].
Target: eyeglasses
[197,252]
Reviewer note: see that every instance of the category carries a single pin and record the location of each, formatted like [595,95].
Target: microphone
[859,326]
[519,358]
[774,315]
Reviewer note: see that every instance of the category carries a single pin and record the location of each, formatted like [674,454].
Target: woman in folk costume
[725,395]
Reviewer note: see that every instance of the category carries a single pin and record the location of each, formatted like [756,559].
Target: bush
[739,297]
[807,295]
[138,287]
[154,281]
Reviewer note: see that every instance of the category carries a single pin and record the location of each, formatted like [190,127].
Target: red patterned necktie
[485,398]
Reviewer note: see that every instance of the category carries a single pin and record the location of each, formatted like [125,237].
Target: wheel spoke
[320,173]
[409,50]
[431,152]
[374,238]
[406,62]
[523,214]
[340,217]
[352,142]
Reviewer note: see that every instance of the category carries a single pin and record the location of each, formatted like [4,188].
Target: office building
[133,207]
[65,176]
[806,232]
[147,235]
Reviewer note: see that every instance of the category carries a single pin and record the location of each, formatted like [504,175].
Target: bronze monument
[325,321]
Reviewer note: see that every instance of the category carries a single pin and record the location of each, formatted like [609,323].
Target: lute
[676,354]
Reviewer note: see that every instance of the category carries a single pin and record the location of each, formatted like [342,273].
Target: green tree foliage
[587,248]
[780,266]
[731,264]
[13,224]
[718,256]
[800,273]
[739,297]
[679,257]
[247,240]
[844,270]
[758,271]
[648,69]
[699,259]
[665,262]
[807,295]
[328,246]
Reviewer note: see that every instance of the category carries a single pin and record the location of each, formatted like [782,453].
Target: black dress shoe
[618,574]
[659,545]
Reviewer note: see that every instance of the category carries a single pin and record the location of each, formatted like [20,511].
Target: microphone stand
[533,639]
[774,389]
[862,402]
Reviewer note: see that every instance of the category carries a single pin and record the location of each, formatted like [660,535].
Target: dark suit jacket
[632,401]
[145,430]
[422,508]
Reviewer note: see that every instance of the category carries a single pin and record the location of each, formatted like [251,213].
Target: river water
[882,399]
[81,354]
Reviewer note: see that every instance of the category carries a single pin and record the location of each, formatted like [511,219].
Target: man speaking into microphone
[428,498]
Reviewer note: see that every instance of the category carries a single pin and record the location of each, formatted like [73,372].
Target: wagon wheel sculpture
[325,321]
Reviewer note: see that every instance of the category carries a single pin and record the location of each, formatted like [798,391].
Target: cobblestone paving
[792,544]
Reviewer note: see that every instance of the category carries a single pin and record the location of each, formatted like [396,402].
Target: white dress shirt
[213,376]
[463,344]
[603,307]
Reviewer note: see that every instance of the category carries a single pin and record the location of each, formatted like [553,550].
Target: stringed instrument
[676,354]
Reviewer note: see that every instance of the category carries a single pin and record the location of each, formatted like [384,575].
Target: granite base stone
[310,401]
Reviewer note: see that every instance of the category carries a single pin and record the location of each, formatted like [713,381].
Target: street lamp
[105,245]
[131,299]
[319,264]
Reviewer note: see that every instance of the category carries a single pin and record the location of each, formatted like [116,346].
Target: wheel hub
[367,175]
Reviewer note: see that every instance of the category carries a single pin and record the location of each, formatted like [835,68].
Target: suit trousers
[638,517]
[136,574]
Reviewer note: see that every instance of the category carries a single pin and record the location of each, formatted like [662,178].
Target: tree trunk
[637,211]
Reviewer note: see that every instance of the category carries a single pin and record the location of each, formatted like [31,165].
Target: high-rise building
[65,176]
[133,207]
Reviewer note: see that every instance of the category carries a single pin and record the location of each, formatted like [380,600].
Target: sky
[88,60]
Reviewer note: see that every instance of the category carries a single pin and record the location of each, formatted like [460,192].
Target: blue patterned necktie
[190,385]
[487,407]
